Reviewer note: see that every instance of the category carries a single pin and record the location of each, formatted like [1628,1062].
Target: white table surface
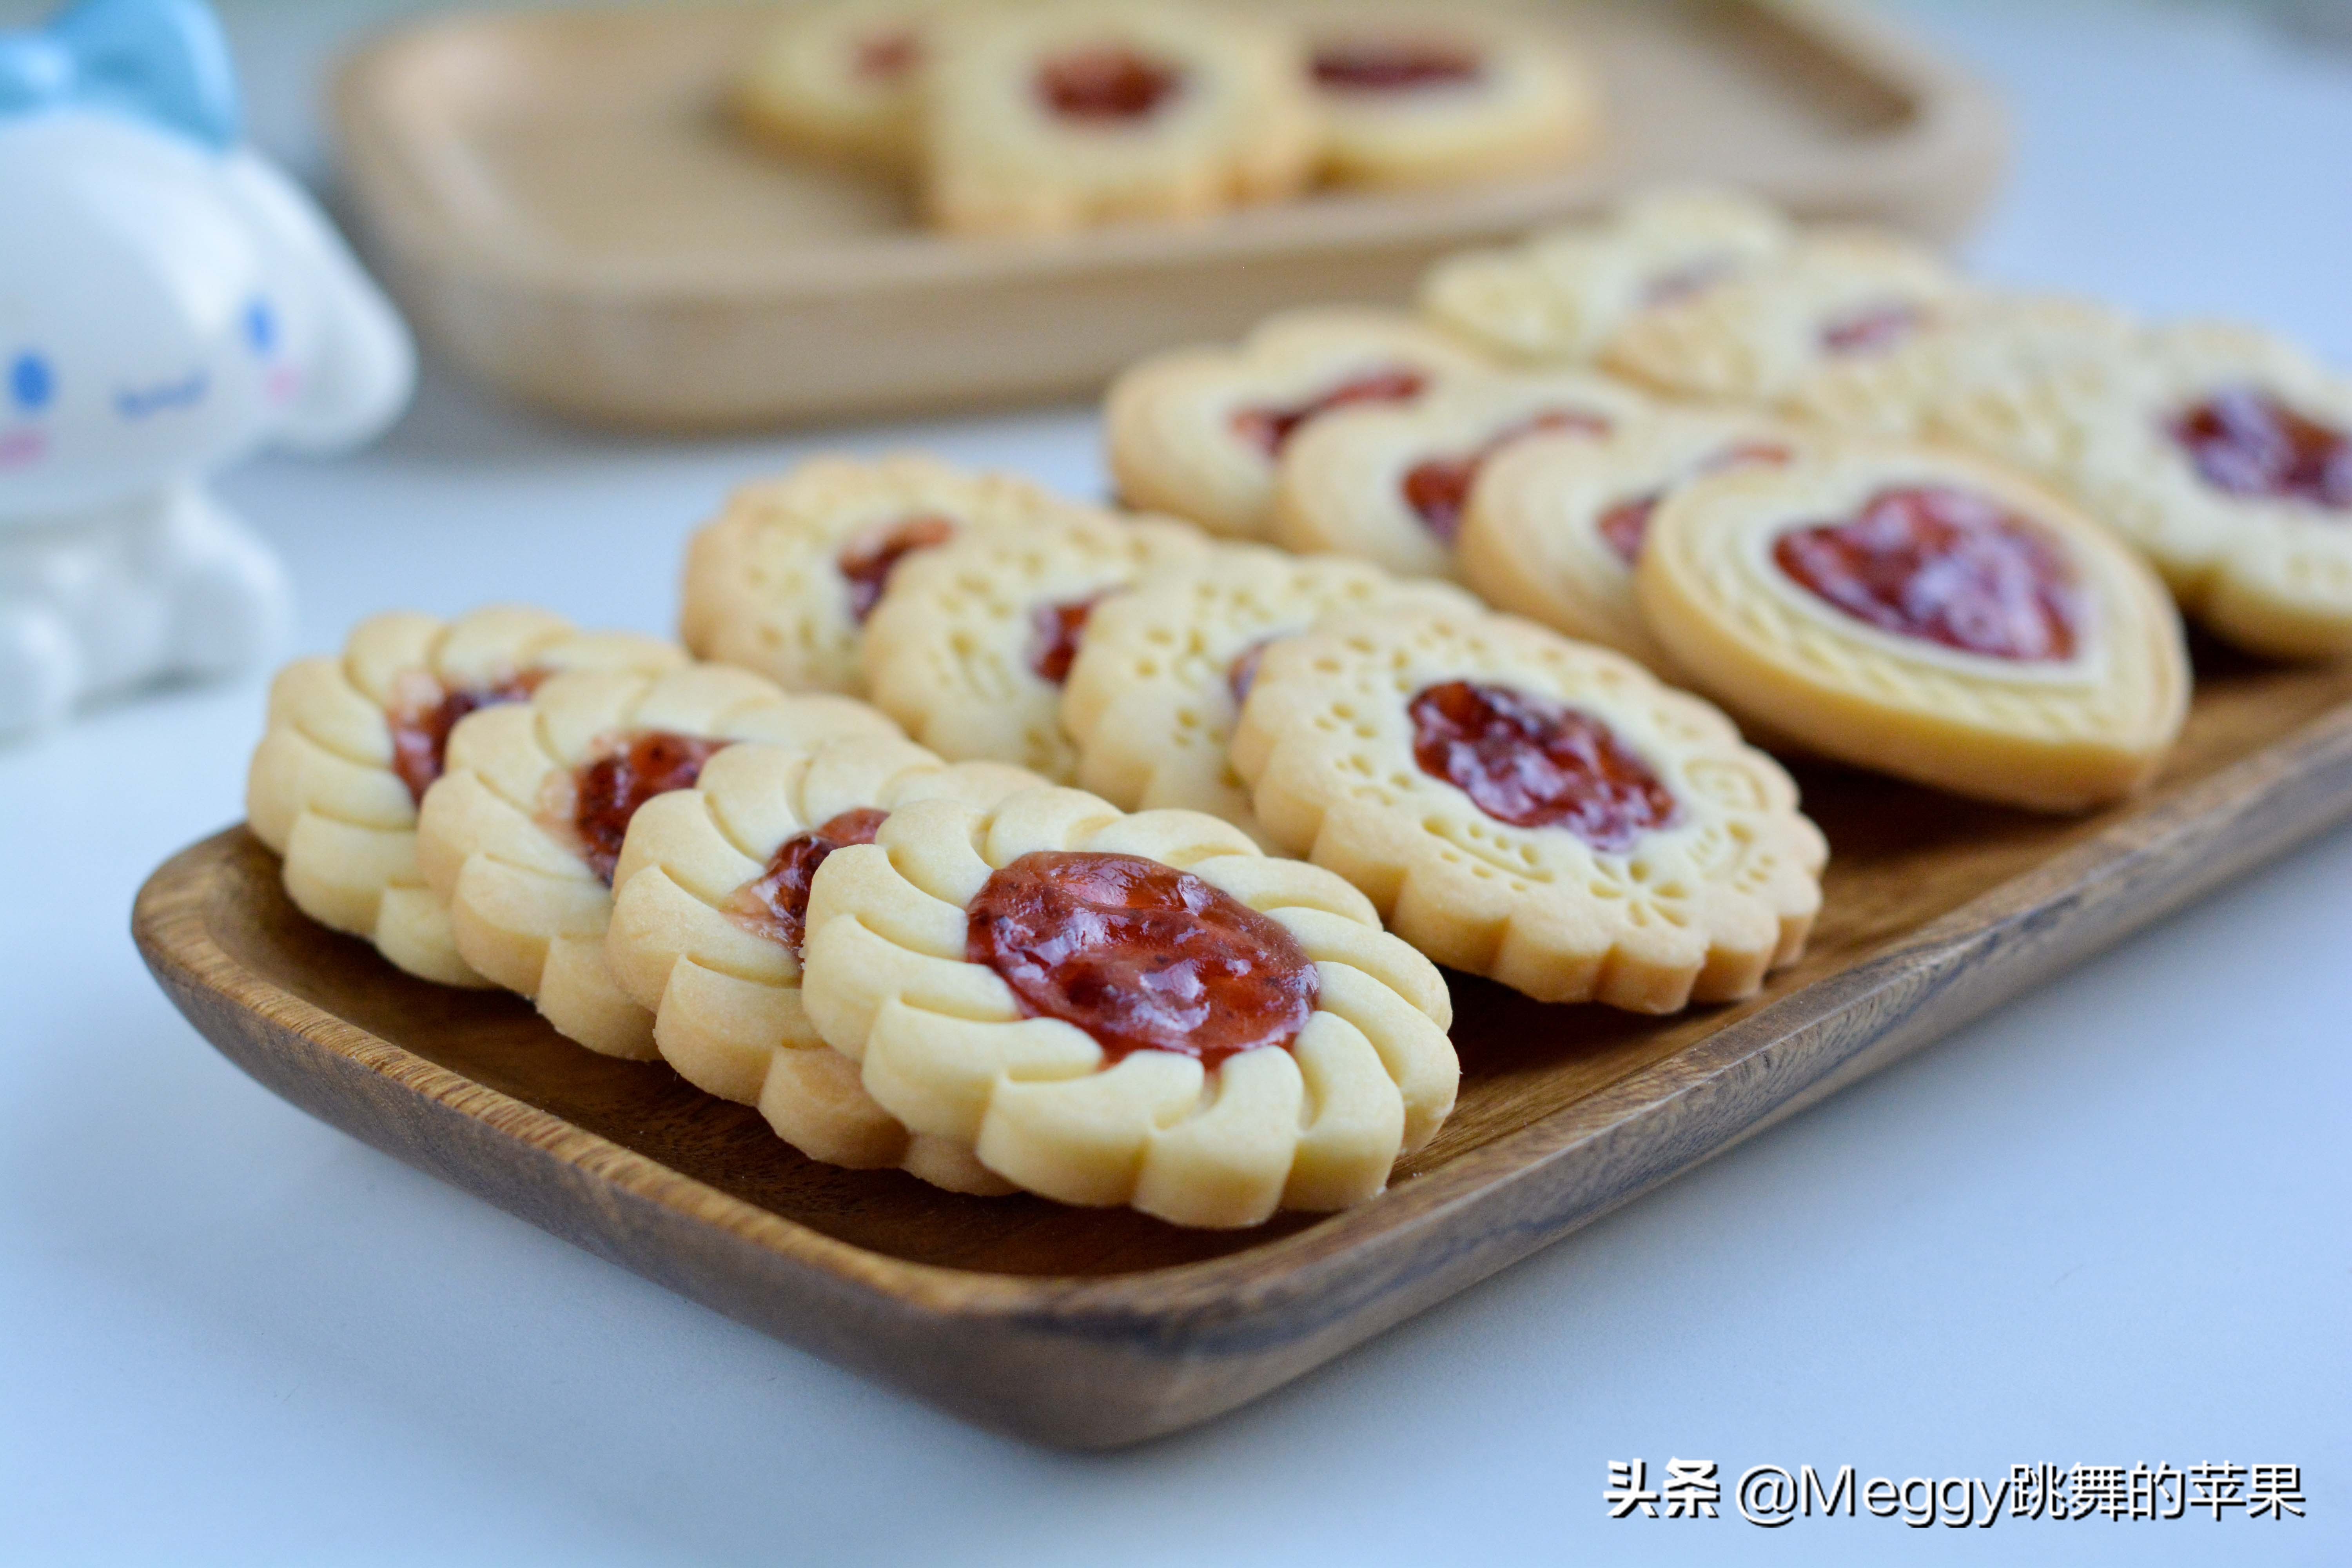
[2108,1223]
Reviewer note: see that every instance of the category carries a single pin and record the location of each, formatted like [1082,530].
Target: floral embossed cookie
[1390,485]
[1127,1010]
[1924,615]
[1198,432]
[842,79]
[783,582]
[973,644]
[522,835]
[1558,299]
[1050,117]
[1555,524]
[1532,809]
[354,741]
[1154,691]
[709,908]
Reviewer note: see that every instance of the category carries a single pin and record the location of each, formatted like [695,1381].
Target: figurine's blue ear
[158,60]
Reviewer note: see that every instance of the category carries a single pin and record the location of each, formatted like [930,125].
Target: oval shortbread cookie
[354,741]
[1129,1010]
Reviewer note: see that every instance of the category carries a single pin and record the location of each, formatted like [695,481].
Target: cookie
[783,582]
[1837,294]
[842,80]
[1555,523]
[709,905]
[1049,118]
[1532,809]
[1197,432]
[1390,485]
[521,836]
[972,645]
[1154,690]
[1924,614]
[1559,297]
[1127,1010]
[1437,95]
[354,741]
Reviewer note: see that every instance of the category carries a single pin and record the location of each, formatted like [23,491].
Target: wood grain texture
[1094,1329]
[564,208]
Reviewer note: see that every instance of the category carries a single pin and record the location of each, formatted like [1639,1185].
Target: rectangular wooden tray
[1093,1328]
[561,203]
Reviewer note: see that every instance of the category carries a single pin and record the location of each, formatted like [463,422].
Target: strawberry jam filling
[1872,331]
[1105,85]
[1269,429]
[2244,442]
[866,566]
[1395,67]
[420,729]
[774,904]
[607,792]
[1944,565]
[1532,763]
[1141,956]
[1055,633]
[1625,526]
[1438,489]
[886,56]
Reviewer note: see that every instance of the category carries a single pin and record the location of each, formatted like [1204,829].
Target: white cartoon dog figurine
[169,301]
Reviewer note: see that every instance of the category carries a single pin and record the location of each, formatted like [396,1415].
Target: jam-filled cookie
[1051,117]
[1556,524]
[971,645]
[1127,1010]
[1198,432]
[1754,339]
[354,741]
[1390,484]
[1558,298]
[1429,95]
[1536,810]
[1924,615]
[842,78]
[522,835]
[1153,693]
[784,581]
[710,911]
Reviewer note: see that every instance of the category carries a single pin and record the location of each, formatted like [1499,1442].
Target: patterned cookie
[1048,118]
[710,898]
[355,741]
[1556,524]
[970,647]
[1129,1010]
[1533,809]
[1559,297]
[1754,339]
[1154,691]
[782,583]
[1425,96]
[1390,484]
[1197,432]
[842,79]
[1924,614]
[522,835]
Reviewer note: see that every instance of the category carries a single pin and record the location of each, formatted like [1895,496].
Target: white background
[2106,1224]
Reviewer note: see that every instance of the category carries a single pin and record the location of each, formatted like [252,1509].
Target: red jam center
[866,566]
[1626,525]
[420,732]
[1533,764]
[1141,956]
[2245,442]
[884,57]
[1104,84]
[1395,66]
[774,904]
[1055,633]
[1944,565]
[1872,331]
[608,791]
[1270,429]
[1437,488]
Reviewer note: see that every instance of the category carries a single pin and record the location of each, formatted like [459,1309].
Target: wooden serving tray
[562,206]
[1097,1328]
